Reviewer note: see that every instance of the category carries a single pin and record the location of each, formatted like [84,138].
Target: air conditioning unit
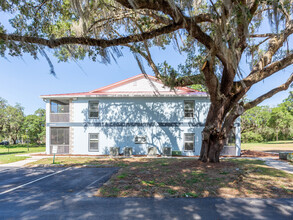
[167,151]
[127,151]
[152,151]
[114,151]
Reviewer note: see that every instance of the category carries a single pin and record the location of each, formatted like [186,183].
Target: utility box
[290,156]
[228,151]
[128,151]
[286,156]
[114,151]
[152,151]
[176,153]
[167,151]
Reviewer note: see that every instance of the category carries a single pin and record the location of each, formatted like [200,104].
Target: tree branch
[242,27]
[211,80]
[259,72]
[190,23]
[236,111]
[115,17]
[161,19]
[189,80]
[159,5]
[147,56]
[53,43]
[268,71]
[269,94]
[262,35]
[274,45]
[254,7]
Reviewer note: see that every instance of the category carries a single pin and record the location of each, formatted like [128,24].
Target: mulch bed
[244,153]
[251,153]
[192,178]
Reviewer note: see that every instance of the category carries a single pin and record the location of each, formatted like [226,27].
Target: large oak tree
[214,34]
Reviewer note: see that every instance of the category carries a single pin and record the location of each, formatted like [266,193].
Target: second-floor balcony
[59,111]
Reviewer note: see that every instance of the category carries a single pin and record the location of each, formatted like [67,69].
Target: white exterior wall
[148,114]
[47,127]
[140,85]
[138,110]
[124,137]
[238,136]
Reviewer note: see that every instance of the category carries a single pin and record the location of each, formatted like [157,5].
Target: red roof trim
[117,84]
[68,94]
[131,79]
[101,91]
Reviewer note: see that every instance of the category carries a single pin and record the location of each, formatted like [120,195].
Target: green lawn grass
[272,146]
[8,153]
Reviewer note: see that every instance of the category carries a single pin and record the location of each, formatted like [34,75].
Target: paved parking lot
[24,190]
[67,193]
[52,182]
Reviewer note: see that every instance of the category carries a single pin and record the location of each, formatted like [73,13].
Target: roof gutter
[127,95]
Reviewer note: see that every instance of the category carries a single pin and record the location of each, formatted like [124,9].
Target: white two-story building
[139,112]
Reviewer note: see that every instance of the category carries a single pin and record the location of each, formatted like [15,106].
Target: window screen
[188,109]
[93,109]
[189,142]
[59,106]
[94,142]
[59,136]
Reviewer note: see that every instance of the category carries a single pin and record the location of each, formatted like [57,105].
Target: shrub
[176,153]
[251,137]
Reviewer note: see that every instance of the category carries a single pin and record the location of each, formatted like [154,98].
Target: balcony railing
[59,117]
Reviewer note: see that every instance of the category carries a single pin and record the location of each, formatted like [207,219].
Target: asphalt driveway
[52,182]
[67,193]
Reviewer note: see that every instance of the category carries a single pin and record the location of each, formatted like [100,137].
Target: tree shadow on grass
[285,142]
[14,152]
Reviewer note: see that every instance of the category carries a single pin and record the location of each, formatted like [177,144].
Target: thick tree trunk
[219,122]
[212,145]
[213,137]
[14,140]
[277,135]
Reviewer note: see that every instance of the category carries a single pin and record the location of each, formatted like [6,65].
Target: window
[94,142]
[59,106]
[189,142]
[59,136]
[140,139]
[188,109]
[93,109]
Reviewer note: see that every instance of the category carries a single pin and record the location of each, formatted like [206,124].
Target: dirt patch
[186,177]
[192,178]
[251,153]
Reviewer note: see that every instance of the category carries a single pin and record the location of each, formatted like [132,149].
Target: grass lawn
[8,153]
[188,177]
[271,146]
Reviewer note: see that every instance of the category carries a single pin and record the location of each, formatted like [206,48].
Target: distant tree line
[263,123]
[15,126]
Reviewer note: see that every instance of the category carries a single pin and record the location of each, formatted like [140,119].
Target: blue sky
[24,79]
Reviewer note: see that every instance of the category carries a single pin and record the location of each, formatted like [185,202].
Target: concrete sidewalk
[271,162]
[278,164]
[21,163]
